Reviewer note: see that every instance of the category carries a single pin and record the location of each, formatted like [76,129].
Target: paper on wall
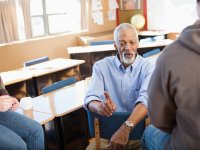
[96,5]
[112,4]
[97,17]
[112,15]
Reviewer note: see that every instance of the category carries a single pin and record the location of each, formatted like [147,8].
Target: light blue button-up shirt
[126,87]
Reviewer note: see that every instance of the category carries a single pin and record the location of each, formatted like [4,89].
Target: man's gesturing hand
[104,107]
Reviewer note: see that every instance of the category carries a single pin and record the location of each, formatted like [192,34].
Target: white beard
[126,60]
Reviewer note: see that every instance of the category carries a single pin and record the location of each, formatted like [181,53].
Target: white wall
[170,15]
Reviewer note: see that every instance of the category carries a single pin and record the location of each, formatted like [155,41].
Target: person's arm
[139,113]
[161,107]
[7,102]
[105,108]
[3,91]
[120,138]
[140,110]
[97,100]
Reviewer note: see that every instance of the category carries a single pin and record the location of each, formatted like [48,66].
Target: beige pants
[132,144]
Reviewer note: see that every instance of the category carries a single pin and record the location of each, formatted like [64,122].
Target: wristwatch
[129,124]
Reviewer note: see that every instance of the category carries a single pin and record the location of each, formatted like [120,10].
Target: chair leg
[97,133]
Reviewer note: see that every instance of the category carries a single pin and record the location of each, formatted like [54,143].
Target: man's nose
[128,46]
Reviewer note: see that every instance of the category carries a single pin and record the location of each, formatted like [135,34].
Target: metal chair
[105,127]
[58,85]
[32,90]
[101,42]
[70,127]
[36,61]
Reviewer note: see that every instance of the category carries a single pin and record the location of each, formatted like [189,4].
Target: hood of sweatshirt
[190,37]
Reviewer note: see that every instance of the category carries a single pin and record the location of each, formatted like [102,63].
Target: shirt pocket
[134,94]
[132,98]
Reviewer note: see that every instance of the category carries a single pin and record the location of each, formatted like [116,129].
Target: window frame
[46,20]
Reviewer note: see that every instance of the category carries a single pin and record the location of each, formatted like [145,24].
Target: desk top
[152,33]
[15,76]
[88,49]
[157,43]
[110,47]
[23,74]
[52,66]
[40,117]
[62,101]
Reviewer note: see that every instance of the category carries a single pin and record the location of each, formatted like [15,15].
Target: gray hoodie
[174,90]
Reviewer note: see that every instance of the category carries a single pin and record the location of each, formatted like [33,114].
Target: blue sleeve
[143,97]
[96,87]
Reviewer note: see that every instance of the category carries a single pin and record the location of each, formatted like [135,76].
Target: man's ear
[115,46]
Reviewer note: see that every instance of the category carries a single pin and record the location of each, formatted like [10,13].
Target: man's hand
[119,139]
[15,104]
[7,102]
[105,108]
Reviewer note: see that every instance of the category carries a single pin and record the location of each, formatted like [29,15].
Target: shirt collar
[117,61]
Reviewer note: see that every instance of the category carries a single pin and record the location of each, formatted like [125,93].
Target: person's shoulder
[105,61]
[108,59]
[168,53]
[145,64]
[143,61]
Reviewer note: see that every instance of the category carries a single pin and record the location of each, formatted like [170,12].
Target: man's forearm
[92,105]
[138,113]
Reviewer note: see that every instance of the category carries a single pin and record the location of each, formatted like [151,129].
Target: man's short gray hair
[123,26]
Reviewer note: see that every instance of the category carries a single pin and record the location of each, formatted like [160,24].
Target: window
[24,19]
[52,16]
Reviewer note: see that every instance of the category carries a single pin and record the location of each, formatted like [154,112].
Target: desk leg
[73,130]
[43,81]
[67,73]
[30,88]
[52,141]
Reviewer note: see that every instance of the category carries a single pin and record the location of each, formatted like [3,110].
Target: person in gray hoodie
[174,94]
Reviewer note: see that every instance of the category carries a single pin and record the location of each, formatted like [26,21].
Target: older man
[125,78]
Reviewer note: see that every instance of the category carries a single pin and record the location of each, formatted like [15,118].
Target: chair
[58,85]
[70,127]
[101,42]
[152,52]
[104,127]
[52,127]
[36,61]
[32,90]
